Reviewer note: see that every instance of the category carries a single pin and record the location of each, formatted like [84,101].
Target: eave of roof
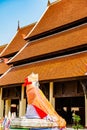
[17,41]
[52,69]
[64,40]
[3,67]
[58,14]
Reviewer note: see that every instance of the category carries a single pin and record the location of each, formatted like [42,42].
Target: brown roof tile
[2,47]
[60,13]
[3,67]
[64,67]
[64,40]
[18,41]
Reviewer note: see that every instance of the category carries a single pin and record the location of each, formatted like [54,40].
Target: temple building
[55,47]
[6,53]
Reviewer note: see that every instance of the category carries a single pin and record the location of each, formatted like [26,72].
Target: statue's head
[32,79]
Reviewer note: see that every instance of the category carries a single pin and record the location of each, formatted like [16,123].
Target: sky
[24,11]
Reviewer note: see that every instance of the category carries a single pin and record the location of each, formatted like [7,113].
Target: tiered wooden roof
[17,42]
[57,68]
[60,13]
[55,43]
[71,66]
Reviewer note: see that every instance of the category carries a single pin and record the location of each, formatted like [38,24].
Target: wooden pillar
[86,110]
[22,104]
[7,106]
[1,104]
[51,98]
[85,94]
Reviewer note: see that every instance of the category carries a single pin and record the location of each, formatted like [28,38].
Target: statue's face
[33,77]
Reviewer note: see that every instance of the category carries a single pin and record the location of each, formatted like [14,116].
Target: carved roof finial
[48,3]
[18,25]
